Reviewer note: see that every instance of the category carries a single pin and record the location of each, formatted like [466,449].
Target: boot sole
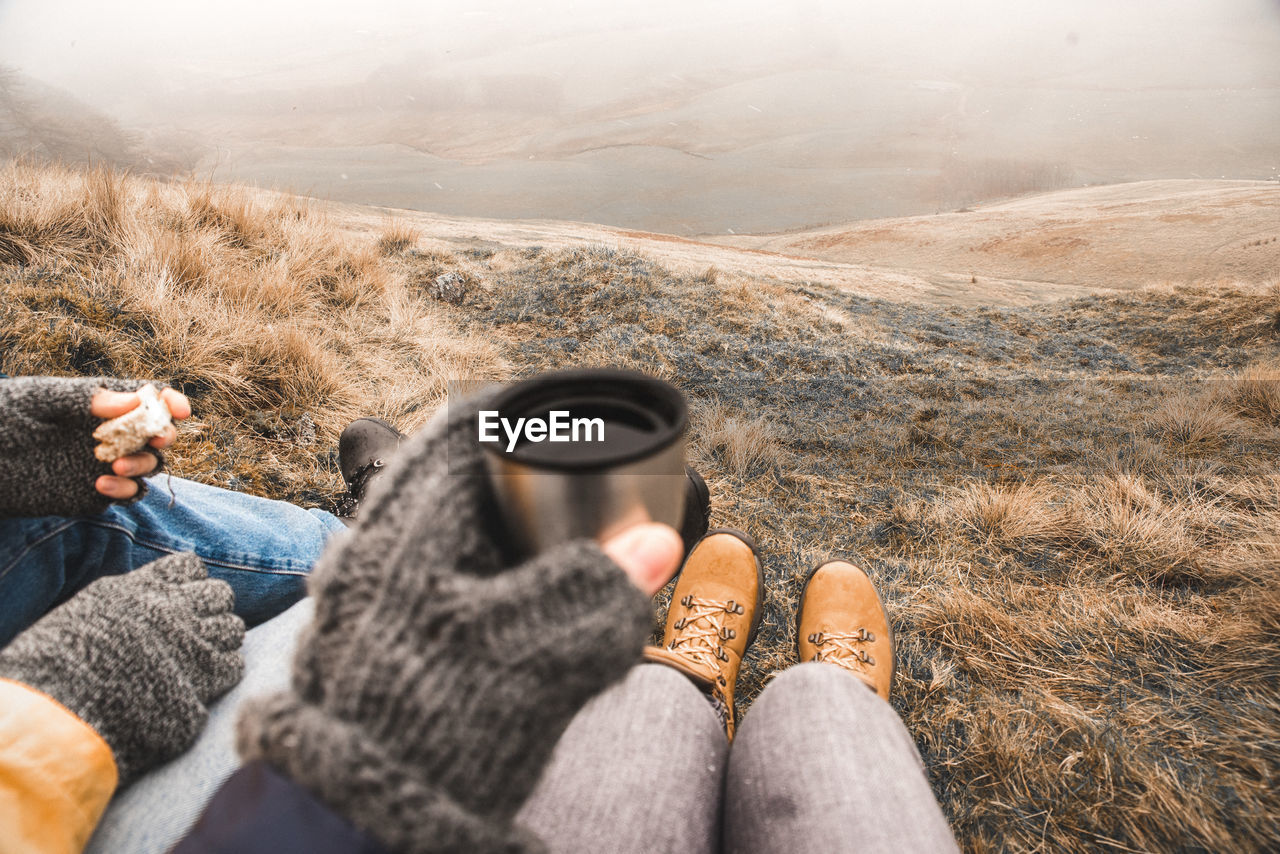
[893,643]
[755,556]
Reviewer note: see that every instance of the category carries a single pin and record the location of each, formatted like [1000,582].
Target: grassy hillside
[41,122]
[280,330]
[1119,236]
[1073,509]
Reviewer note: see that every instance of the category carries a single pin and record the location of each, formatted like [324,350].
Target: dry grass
[1255,393]
[1071,510]
[1007,515]
[743,445]
[397,236]
[1195,420]
[259,310]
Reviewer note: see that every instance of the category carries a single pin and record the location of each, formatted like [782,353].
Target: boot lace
[702,632]
[349,502]
[843,649]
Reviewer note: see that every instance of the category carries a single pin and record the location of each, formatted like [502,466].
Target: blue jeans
[264,549]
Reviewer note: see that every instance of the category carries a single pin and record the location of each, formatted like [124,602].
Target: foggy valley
[728,118]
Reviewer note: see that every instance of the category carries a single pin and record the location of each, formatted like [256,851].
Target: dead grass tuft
[48,213]
[104,199]
[1135,531]
[1195,420]
[1255,393]
[397,236]
[745,445]
[1255,556]
[1008,515]
[228,212]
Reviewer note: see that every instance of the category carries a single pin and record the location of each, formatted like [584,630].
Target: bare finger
[116,487]
[649,554]
[165,439]
[113,404]
[134,465]
[179,406]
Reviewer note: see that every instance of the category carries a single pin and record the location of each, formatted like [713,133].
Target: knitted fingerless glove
[137,657]
[434,682]
[47,464]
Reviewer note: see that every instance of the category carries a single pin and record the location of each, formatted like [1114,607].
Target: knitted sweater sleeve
[47,464]
[435,679]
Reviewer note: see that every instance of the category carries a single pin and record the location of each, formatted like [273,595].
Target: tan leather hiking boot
[843,622]
[713,616]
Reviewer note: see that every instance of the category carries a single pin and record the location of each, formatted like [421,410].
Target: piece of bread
[130,433]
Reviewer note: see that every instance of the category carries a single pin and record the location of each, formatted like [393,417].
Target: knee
[824,681]
[818,691]
[647,681]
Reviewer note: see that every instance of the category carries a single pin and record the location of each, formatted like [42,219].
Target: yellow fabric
[56,774]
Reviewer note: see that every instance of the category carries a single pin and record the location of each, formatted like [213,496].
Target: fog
[682,117]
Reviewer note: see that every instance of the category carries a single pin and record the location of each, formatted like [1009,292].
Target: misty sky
[100,51]
[682,115]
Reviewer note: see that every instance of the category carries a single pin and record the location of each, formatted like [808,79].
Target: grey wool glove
[434,681]
[137,657]
[47,464]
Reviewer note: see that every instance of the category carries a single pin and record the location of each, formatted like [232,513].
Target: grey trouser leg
[640,768]
[821,764]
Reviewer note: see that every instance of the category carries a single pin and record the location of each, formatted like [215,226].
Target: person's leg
[640,769]
[157,810]
[263,548]
[822,764]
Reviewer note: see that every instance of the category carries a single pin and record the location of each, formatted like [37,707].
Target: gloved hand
[47,464]
[137,657]
[434,682]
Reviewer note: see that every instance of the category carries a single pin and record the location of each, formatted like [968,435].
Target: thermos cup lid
[641,415]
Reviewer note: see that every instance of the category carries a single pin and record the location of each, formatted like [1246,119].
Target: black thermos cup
[600,450]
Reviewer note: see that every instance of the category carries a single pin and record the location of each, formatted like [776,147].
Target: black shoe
[363,451]
[697,509]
